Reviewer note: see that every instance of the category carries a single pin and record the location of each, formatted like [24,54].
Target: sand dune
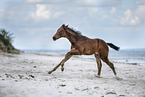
[26,75]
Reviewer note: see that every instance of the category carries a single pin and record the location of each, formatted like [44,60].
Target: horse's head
[61,32]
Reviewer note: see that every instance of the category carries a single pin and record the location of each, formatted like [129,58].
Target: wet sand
[26,75]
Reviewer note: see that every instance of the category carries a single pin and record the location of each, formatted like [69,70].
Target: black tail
[113,46]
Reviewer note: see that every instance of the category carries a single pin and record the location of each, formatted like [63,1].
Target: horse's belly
[88,51]
[87,47]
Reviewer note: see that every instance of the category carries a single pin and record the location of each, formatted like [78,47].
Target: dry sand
[26,75]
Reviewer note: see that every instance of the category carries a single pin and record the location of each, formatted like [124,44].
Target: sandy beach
[26,75]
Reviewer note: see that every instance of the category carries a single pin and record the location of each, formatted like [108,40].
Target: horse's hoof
[118,78]
[49,72]
[62,69]
[98,76]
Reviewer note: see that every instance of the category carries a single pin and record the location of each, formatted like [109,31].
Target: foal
[82,45]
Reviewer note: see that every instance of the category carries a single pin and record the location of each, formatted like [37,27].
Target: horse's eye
[61,32]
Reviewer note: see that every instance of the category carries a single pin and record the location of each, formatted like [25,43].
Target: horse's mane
[78,33]
[75,31]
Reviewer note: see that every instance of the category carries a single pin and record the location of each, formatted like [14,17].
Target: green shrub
[6,37]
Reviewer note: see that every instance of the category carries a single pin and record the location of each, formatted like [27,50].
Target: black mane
[76,32]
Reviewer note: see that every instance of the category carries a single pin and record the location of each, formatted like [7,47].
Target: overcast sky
[34,22]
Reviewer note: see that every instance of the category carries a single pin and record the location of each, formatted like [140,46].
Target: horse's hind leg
[111,65]
[99,64]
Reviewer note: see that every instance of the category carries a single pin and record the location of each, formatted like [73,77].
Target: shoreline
[26,75]
[119,60]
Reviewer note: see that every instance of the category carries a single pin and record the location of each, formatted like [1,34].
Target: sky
[34,22]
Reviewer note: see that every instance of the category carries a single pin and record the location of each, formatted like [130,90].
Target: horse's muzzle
[54,38]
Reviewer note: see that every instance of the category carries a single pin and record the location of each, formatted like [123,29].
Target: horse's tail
[113,46]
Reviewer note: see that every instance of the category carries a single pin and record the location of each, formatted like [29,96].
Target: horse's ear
[67,25]
[63,25]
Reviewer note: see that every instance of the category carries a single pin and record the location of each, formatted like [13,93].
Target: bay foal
[82,45]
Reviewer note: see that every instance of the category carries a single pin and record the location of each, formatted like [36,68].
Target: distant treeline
[6,40]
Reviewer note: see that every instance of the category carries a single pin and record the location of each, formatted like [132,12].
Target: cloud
[113,10]
[140,2]
[99,3]
[129,19]
[94,18]
[33,1]
[49,1]
[134,17]
[41,13]
[86,2]
[140,12]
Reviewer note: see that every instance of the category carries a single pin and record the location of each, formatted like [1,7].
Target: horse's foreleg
[54,69]
[99,64]
[67,56]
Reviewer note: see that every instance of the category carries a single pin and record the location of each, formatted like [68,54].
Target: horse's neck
[72,37]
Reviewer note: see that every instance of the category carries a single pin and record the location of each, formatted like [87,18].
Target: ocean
[133,57]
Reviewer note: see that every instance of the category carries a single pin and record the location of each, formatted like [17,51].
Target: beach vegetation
[6,39]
